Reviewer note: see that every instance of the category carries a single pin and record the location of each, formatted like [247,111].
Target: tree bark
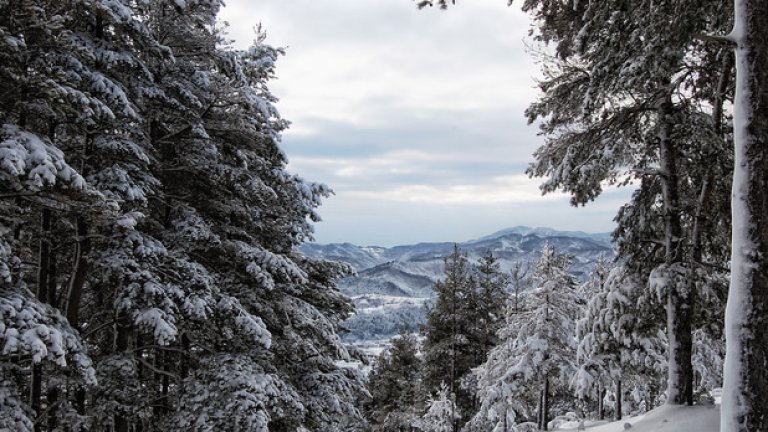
[545,404]
[600,403]
[52,395]
[539,409]
[617,415]
[78,278]
[122,344]
[745,389]
[44,253]
[679,307]
[75,292]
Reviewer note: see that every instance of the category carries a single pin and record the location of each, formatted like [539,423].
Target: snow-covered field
[667,418]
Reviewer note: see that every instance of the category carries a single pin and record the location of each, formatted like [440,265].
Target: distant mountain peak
[542,232]
[400,278]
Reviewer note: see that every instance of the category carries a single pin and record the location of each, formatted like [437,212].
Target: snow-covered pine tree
[166,278]
[70,96]
[455,339]
[632,118]
[620,346]
[395,387]
[491,296]
[245,235]
[616,109]
[442,414]
[536,356]
[597,363]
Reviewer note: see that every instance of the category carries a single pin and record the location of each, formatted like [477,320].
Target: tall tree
[142,176]
[490,295]
[745,389]
[448,349]
[536,356]
[461,327]
[627,97]
[395,386]
[442,414]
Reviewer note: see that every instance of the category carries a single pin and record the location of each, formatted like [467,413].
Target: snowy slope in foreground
[667,418]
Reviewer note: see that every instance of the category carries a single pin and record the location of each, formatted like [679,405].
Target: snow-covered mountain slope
[359,257]
[408,272]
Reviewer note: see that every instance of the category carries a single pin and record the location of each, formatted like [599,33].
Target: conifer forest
[151,271]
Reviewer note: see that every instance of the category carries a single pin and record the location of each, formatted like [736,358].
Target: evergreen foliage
[536,354]
[461,326]
[442,413]
[396,387]
[149,230]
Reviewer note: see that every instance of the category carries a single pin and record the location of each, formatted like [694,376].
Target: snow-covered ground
[667,418]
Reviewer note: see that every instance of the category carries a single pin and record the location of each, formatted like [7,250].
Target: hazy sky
[414,118]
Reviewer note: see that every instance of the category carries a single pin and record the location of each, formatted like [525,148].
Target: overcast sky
[414,118]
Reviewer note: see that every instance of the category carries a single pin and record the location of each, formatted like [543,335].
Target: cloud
[343,53]
[414,118]
[374,221]
[508,189]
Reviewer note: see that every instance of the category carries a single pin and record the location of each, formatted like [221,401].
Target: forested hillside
[393,285]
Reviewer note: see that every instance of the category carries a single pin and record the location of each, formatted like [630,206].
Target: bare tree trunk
[75,292]
[651,397]
[52,395]
[745,388]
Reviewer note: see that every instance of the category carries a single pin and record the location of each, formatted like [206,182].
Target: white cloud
[509,189]
[414,118]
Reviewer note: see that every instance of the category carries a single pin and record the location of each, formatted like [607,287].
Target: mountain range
[393,284]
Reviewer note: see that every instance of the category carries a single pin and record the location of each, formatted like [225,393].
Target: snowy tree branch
[726,40]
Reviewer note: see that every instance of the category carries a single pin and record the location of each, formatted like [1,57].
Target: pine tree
[395,386]
[490,294]
[654,118]
[619,343]
[745,383]
[442,413]
[448,354]
[536,357]
[634,94]
[461,327]
[142,175]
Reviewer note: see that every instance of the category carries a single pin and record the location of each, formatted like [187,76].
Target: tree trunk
[679,307]
[745,389]
[545,404]
[36,392]
[78,278]
[52,285]
[617,414]
[44,253]
[122,344]
[539,409]
[651,397]
[52,395]
[600,403]
[75,292]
